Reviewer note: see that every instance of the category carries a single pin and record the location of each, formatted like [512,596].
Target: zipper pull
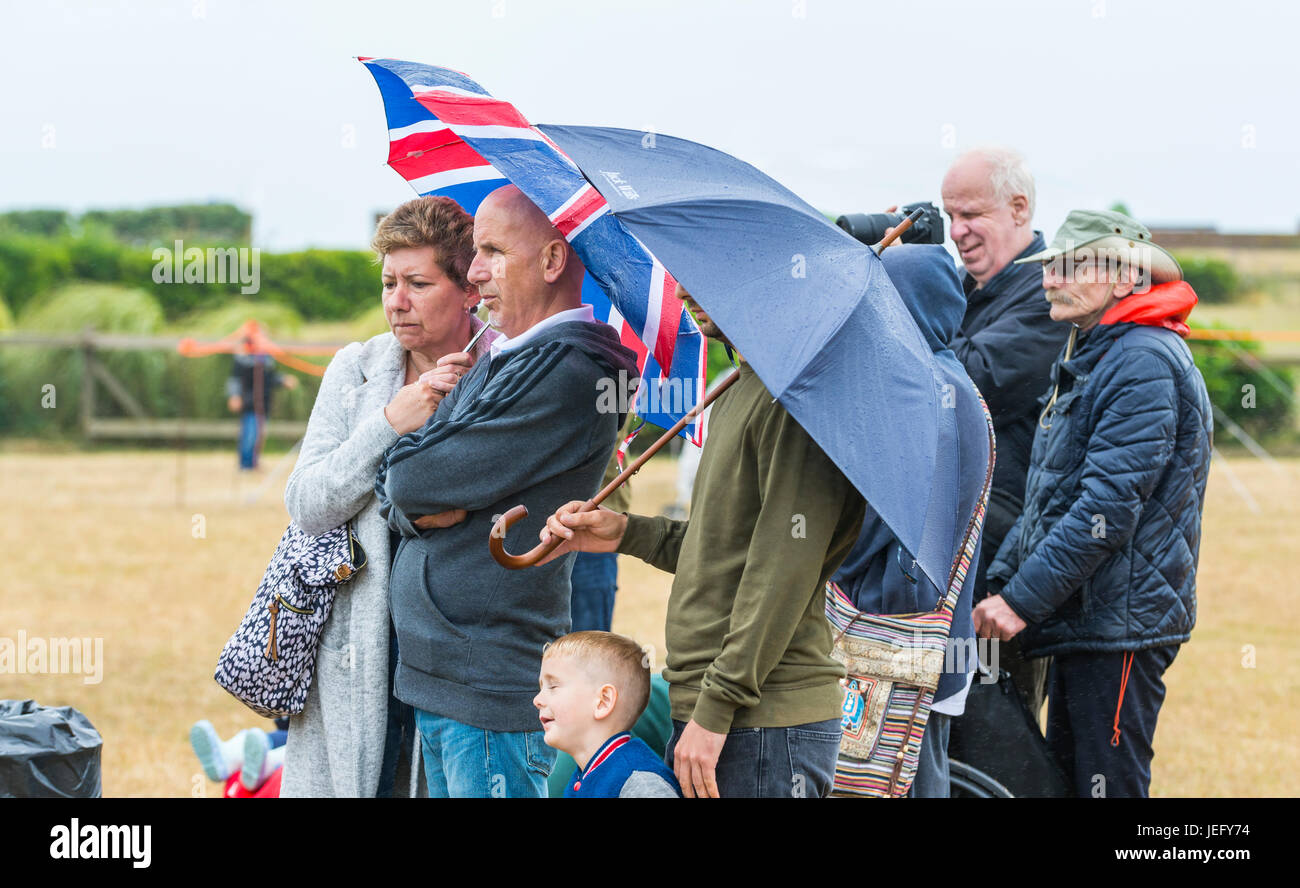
[271,652]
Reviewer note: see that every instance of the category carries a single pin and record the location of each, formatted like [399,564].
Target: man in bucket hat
[1007,342]
[1099,571]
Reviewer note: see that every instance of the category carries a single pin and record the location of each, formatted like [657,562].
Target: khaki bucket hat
[1107,233]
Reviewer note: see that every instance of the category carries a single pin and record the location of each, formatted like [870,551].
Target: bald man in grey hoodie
[521,427]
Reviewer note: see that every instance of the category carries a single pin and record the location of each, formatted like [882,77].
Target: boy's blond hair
[610,657]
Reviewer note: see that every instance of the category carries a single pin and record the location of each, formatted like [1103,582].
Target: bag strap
[966,554]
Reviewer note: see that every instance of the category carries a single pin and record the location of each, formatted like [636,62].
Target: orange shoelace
[1123,685]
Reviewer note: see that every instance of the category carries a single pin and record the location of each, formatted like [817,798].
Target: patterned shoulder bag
[269,663]
[893,665]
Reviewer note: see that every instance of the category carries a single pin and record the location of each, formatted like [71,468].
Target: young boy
[594,686]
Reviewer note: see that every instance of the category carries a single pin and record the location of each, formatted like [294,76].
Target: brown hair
[610,657]
[436,222]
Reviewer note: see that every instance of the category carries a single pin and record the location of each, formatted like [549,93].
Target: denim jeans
[248,440]
[595,580]
[465,762]
[774,763]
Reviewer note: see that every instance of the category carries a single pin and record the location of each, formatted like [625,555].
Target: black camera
[870,227]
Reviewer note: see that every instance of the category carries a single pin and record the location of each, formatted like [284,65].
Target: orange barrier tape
[1246,335]
[261,345]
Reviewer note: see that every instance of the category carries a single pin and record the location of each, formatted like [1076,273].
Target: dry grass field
[108,546]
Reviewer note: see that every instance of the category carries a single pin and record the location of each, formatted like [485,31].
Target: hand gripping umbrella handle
[497,539]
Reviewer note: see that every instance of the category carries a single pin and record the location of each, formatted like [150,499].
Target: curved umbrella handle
[497,542]
[497,538]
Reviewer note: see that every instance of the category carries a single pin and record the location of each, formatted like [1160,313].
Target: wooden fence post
[87,379]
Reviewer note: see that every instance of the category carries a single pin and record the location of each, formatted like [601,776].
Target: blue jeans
[595,580]
[931,780]
[774,763]
[464,762]
[248,440]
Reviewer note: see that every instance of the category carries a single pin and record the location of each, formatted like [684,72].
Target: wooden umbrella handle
[900,228]
[497,538]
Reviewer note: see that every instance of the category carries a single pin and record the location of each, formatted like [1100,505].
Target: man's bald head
[524,268]
[520,213]
[530,226]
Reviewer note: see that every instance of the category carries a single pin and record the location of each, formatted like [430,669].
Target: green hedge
[317,284]
[201,223]
[27,370]
[1264,410]
[1214,280]
[166,384]
[218,223]
[30,267]
[38,223]
[321,284]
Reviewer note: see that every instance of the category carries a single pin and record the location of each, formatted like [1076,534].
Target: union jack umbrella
[448,136]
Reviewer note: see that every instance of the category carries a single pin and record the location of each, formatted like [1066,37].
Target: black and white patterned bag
[269,662]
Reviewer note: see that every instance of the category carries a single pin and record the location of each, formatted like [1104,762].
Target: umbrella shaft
[664,439]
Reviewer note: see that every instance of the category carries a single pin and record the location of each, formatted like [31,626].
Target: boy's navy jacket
[623,764]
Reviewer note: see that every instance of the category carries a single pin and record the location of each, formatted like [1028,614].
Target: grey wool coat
[336,745]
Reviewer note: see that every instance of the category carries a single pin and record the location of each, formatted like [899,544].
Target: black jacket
[1007,343]
[243,381]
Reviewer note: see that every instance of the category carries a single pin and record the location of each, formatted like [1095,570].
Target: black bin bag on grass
[48,752]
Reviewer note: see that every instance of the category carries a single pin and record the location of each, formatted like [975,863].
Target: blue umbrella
[809,307]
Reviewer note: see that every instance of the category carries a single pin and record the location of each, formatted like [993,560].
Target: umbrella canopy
[448,136]
[809,307]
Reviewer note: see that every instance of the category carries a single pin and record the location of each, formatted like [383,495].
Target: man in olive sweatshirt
[755,693]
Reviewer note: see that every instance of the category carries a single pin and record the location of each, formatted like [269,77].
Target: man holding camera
[1007,342]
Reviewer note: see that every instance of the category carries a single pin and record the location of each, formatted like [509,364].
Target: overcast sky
[1186,111]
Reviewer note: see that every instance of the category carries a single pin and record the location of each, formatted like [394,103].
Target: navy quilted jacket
[1103,558]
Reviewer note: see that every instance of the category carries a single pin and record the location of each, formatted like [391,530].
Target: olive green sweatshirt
[772,517]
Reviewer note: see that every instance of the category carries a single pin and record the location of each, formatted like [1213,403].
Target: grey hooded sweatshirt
[523,427]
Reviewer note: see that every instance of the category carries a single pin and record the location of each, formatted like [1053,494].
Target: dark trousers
[1030,676]
[774,763]
[401,729]
[1083,693]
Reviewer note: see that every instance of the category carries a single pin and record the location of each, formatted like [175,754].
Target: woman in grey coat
[372,393]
